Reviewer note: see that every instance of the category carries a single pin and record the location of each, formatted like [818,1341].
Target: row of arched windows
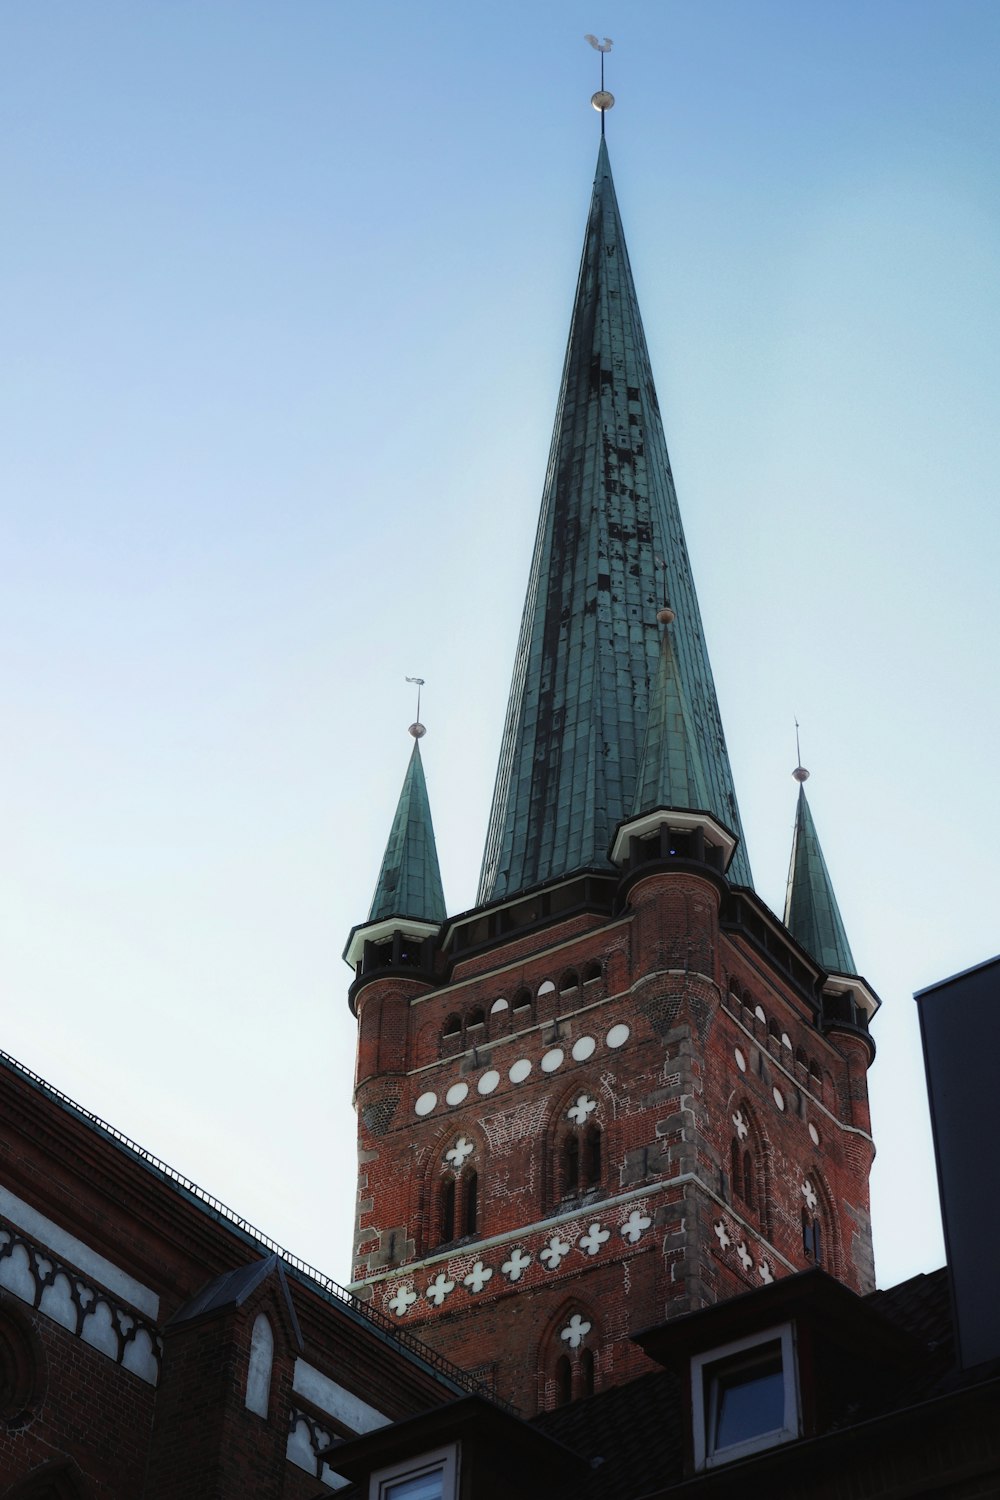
[755,1019]
[472,1028]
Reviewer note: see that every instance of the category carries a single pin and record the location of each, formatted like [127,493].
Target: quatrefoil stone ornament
[764,1272]
[809,1193]
[634,1226]
[593,1239]
[746,1259]
[721,1234]
[515,1268]
[477,1277]
[439,1289]
[742,1128]
[458,1153]
[579,1111]
[554,1252]
[576,1331]
[402,1300]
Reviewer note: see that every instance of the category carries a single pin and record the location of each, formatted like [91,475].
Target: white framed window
[745,1397]
[432,1476]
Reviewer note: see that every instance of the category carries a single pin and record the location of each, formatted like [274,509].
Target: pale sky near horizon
[284,293]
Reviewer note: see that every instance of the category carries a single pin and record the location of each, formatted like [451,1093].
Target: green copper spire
[671,773]
[589,651]
[409,882]
[812,915]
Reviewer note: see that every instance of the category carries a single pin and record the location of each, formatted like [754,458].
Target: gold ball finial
[800,774]
[602,100]
[418,730]
[665,616]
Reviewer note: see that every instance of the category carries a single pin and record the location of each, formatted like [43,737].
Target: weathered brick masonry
[662,1050]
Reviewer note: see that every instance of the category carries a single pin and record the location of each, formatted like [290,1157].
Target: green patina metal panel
[409,882]
[812,915]
[589,649]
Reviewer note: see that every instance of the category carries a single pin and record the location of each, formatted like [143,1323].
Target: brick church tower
[619,1088]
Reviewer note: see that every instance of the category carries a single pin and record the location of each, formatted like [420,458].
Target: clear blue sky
[284,291]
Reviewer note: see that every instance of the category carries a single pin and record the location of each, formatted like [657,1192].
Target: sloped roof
[409,882]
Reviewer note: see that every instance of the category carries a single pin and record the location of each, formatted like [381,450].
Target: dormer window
[434,1476]
[744,1397]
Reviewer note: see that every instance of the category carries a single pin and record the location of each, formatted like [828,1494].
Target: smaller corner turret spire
[409,882]
[602,100]
[812,915]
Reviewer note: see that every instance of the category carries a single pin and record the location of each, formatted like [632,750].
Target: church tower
[619,1088]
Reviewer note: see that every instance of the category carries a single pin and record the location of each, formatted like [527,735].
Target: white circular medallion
[741,1061]
[618,1035]
[583,1048]
[488,1082]
[779,1098]
[813,1134]
[553,1060]
[457,1093]
[425,1104]
[519,1070]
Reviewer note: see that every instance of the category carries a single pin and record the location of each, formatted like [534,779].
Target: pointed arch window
[587,1372]
[592,1156]
[812,1238]
[564,1380]
[447,1225]
[571,1165]
[579,1151]
[748,1166]
[470,1203]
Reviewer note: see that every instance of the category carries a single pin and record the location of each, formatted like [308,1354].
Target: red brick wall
[665,1103]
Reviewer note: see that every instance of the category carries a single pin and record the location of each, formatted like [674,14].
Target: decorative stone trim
[576,1331]
[84,1308]
[457,1154]
[519,1071]
[307,1439]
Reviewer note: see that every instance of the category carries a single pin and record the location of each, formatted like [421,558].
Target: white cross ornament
[461,1149]
[742,1128]
[403,1299]
[439,1289]
[576,1331]
[477,1277]
[593,1239]
[764,1272]
[746,1259]
[579,1111]
[634,1225]
[515,1268]
[555,1251]
[809,1193]
[722,1236]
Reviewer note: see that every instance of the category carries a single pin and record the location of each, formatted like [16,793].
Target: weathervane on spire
[416,728]
[602,100]
[800,773]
